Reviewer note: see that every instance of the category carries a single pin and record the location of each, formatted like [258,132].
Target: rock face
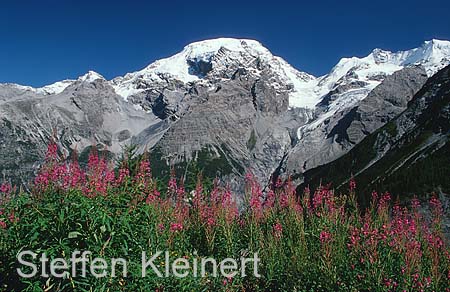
[337,134]
[226,101]
[383,103]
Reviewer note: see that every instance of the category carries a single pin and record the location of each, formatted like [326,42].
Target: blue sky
[45,41]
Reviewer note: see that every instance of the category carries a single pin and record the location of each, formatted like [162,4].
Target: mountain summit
[212,59]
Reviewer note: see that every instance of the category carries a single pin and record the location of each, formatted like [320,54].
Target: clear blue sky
[45,41]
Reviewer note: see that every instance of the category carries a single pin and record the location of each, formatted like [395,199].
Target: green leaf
[74,234]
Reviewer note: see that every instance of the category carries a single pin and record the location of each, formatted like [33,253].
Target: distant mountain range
[230,106]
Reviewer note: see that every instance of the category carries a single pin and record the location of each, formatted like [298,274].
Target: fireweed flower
[52,152]
[307,191]
[436,207]
[374,197]
[208,216]
[152,196]
[124,174]
[99,176]
[76,175]
[352,184]
[42,180]
[214,195]
[175,227]
[228,206]
[6,191]
[255,196]
[284,200]
[354,238]
[227,198]
[270,200]
[325,237]
[317,199]
[172,186]
[227,280]
[198,199]
[385,199]
[144,170]
[277,230]
[249,176]
[415,204]
[278,183]
[5,188]
[401,231]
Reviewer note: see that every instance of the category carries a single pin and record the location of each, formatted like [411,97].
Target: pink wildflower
[277,230]
[174,227]
[325,236]
[352,184]
[5,188]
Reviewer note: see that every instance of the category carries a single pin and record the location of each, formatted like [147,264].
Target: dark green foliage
[205,164]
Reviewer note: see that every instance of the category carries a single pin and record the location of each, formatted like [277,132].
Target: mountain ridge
[206,48]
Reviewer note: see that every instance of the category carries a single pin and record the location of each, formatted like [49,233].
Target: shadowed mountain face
[340,132]
[407,156]
[227,104]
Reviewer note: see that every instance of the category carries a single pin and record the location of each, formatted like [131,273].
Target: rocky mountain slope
[226,103]
[353,85]
[86,113]
[410,155]
[337,134]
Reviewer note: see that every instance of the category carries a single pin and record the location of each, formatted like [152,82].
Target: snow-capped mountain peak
[178,65]
[199,58]
[55,88]
[380,56]
[351,79]
[433,55]
[90,76]
[59,86]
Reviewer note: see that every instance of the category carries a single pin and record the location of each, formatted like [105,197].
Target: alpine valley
[230,106]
